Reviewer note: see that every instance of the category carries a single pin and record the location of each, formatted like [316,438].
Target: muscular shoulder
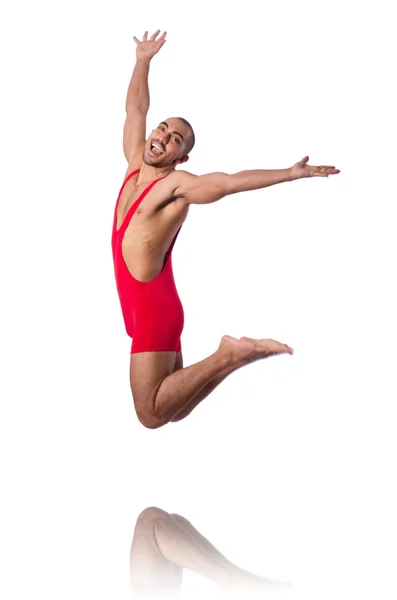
[165,193]
[177,178]
[169,186]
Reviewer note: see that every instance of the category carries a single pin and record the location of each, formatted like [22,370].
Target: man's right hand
[146,49]
[138,99]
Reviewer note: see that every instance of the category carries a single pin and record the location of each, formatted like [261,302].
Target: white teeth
[154,145]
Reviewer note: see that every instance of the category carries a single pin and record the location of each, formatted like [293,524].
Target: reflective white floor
[310,500]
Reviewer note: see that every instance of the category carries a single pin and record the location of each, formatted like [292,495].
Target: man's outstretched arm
[205,189]
[138,98]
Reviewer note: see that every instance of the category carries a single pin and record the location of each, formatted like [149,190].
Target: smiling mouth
[156,149]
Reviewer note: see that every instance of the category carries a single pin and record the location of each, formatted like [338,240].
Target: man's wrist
[143,60]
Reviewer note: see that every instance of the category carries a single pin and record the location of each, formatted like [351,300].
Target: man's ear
[182,159]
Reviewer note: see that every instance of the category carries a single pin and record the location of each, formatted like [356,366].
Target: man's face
[166,144]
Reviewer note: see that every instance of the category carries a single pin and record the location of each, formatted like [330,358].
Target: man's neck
[148,173]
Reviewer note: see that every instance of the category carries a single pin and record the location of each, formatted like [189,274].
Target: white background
[289,467]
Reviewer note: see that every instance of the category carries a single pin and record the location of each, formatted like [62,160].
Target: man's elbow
[134,108]
[233,184]
[224,186]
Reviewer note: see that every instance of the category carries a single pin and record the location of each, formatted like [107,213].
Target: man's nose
[164,138]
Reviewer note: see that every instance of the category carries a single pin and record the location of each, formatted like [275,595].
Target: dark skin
[162,389]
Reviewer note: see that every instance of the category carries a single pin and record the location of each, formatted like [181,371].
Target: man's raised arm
[138,99]
[205,189]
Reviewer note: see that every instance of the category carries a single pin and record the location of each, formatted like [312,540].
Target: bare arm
[138,98]
[206,189]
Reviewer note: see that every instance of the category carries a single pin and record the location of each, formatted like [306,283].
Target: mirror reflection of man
[165,544]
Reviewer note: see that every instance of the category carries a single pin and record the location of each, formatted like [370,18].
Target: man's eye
[177,140]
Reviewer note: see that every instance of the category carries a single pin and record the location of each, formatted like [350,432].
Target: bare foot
[269,347]
[248,349]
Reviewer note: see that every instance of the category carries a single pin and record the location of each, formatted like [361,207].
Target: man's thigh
[147,371]
[178,361]
[148,565]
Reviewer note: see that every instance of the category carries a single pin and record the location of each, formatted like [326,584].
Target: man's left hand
[302,169]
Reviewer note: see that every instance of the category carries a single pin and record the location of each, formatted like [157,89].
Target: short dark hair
[192,139]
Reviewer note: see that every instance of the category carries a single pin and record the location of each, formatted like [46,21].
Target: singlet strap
[168,253]
[127,179]
[118,197]
[135,205]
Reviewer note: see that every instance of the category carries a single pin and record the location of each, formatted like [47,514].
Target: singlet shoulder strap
[135,205]
[167,256]
[128,178]
[137,202]
[120,192]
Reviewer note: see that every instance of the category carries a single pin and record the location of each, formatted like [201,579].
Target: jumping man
[151,207]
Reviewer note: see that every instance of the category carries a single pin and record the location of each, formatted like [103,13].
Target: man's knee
[149,419]
[151,422]
[147,412]
[147,374]
[149,515]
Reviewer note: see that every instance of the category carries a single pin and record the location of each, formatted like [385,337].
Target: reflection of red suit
[152,310]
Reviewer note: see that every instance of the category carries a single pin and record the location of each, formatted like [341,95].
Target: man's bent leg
[183,545]
[160,394]
[208,388]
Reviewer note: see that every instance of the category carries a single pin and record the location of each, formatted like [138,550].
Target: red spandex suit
[152,310]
